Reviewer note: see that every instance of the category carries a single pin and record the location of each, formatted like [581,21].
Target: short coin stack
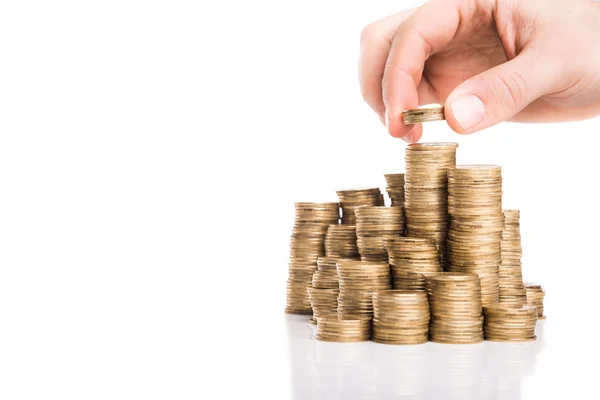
[326,277]
[423,114]
[426,191]
[350,199]
[535,298]
[373,226]
[325,288]
[411,260]
[395,189]
[455,303]
[358,279]
[477,223]
[400,317]
[306,246]
[349,328]
[341,241]
[511,289]
[509,322]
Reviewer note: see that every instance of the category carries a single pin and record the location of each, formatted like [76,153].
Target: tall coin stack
[395,189]
[340,241]
[306,246]
[325,288]
[535,298]
[477,224]
[411,260]
[426,191]
[358,279]
[350,199]
[338,328]
[511,289]
[373,226]
[509,322]
[455,303]
[400,317]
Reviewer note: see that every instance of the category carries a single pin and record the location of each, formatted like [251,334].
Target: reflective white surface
[367,370]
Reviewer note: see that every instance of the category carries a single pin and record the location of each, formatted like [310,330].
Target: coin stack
[535,298]
[323,302]
[455,303]
[358,279]
[326,277]
[426,191]
[350,199]
[341,241]
[511,289]
[395,188]
[477,223]
[373,226]
[338,328]
[411,260]
[509,322]
[306,246]
[400,317]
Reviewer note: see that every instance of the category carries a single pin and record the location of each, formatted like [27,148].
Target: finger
[376,39]
[501,92]
[429,29]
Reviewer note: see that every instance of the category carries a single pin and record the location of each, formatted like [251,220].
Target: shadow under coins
[367,370]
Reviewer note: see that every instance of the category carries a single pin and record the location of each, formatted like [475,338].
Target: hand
[487,61]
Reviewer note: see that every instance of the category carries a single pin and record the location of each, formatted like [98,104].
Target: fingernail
[387,119]
[408,138]
[382,119]
[468,110]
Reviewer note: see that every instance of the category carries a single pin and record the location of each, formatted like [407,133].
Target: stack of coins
[411,260]
[350,199]
[326,277]
[426,191]
[511,289]
[306,246]
[373,226]
[509,322]
[535,298]
[455,303]
[323,302]
[358,279]
[395,189]
[477,223]
[349,328]
[400,317]
[341,241]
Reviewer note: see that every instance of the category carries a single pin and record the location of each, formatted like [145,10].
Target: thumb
[500,93]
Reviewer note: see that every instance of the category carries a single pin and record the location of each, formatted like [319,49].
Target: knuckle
[510,90]
[369,32]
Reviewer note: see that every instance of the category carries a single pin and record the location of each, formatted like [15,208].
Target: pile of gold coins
[509,322]
[373,226]
[400,317]
[535,298]
[456,309]
[510,288]
[477,224]
[306,246]
[442,263]
[426,191]
[353,198]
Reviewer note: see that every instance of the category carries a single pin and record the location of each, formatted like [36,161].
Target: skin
[486,61]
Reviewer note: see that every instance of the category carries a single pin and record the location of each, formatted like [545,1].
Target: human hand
[487,61]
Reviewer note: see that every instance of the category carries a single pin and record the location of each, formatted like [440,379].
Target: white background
[150,155]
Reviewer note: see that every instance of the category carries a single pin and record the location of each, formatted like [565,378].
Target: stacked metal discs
[400,317]
[358,279]
[350,199]
[535,298]
[306,246]
[509,322]
[341,241]
[511,289]
[411,260]
[373,226]
[325,288]
[477,224]
[348,328]
[426,191]
[395,188]
[455,304]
